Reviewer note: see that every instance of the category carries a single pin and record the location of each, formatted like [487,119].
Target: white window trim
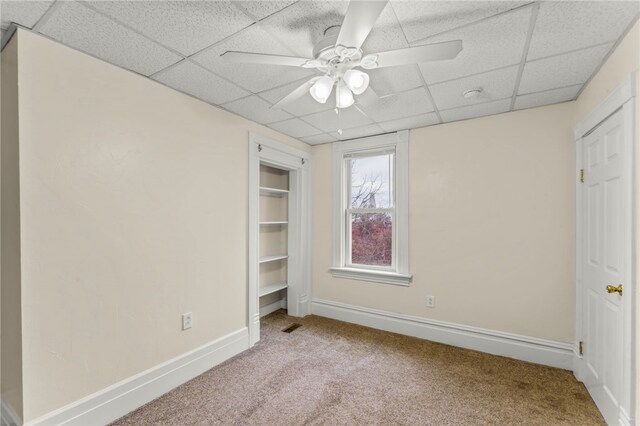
[401,275]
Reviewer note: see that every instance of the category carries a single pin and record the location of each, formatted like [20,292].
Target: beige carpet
[332,373]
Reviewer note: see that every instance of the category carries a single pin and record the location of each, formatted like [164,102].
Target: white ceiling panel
[569,42]
[303,106]
[295,128]
[569,25]
[84,29]
[329,121]
[386,34]
[25,13]
[491,44]
[386,81]
[318,139]
[256,109]
[478,110]
[495,85]
[302,25]
[253,77]
[548,97]
[359,132]
[264,8]
[415,122]
[194,80]
[397,106]
[186,26]
[563,70]
[422,19]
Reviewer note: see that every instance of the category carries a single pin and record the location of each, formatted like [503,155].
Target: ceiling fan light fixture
[344,97]
[321,89]
[357,81]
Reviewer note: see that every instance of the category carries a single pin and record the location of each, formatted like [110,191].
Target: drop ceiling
[522,54]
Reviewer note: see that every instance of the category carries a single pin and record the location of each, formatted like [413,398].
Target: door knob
[614,289]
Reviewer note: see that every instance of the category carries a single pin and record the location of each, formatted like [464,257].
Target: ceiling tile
[302,25]
[478,110]
[262,9]
[318,139]
[495,85]
[564,26]
[186,26]
[192,79]
[491,44]
[392,107]
[25,13]
[303,106]
[253,77]
[415,122]
[359,132]
[256,109]
[421,19]
[386,34]
[295,128]
[548,97]
[82,28]
[329,121]
[386,81]
[563,70]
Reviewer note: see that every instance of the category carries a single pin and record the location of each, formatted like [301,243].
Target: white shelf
[272,288]
[273,258]
[274,192]
[275,222]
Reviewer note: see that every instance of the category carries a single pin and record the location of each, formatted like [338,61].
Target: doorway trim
[621,99]
[263,150]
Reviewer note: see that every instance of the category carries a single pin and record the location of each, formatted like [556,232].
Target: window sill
[370,275]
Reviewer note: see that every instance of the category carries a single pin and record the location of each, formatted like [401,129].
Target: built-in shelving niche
[273,237]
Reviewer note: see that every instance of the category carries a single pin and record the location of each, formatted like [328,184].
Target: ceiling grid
[548,60]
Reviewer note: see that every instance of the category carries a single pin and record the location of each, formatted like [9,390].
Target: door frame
[622,99]
[263,150]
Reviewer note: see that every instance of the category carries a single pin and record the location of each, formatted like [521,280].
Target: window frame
[398,273]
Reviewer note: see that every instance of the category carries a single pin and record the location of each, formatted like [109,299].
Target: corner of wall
[11,328]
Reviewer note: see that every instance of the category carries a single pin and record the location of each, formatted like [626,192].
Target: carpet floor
[329,372]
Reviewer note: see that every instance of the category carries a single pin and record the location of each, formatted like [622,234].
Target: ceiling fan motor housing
[326,50]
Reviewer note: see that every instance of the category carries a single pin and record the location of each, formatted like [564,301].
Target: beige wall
[491,222]
[622,62]
[134,210]
[11,352]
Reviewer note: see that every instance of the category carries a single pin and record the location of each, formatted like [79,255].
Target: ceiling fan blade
[360,19]
[416,55]
[297,93]
[261,58]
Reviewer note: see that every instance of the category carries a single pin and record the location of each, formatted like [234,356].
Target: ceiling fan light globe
[357,81]
[344,98]
[321,89]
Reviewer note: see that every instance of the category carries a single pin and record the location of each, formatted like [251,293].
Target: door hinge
[582,175]
[580,347]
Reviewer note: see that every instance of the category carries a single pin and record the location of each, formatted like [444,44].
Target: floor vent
[291,328]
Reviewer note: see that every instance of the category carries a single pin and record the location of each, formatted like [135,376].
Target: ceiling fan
[339,53]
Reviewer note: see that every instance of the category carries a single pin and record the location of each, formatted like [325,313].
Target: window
[370,209]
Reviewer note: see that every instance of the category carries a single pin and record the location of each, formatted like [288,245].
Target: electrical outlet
[431,301]
[186,321]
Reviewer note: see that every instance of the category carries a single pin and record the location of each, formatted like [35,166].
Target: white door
[604,258]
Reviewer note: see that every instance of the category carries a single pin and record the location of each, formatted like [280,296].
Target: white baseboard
[272,307]
[525,348]
[8,416]
[121,398]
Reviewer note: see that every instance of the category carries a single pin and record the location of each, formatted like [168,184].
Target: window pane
[371,239]
[372,181]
